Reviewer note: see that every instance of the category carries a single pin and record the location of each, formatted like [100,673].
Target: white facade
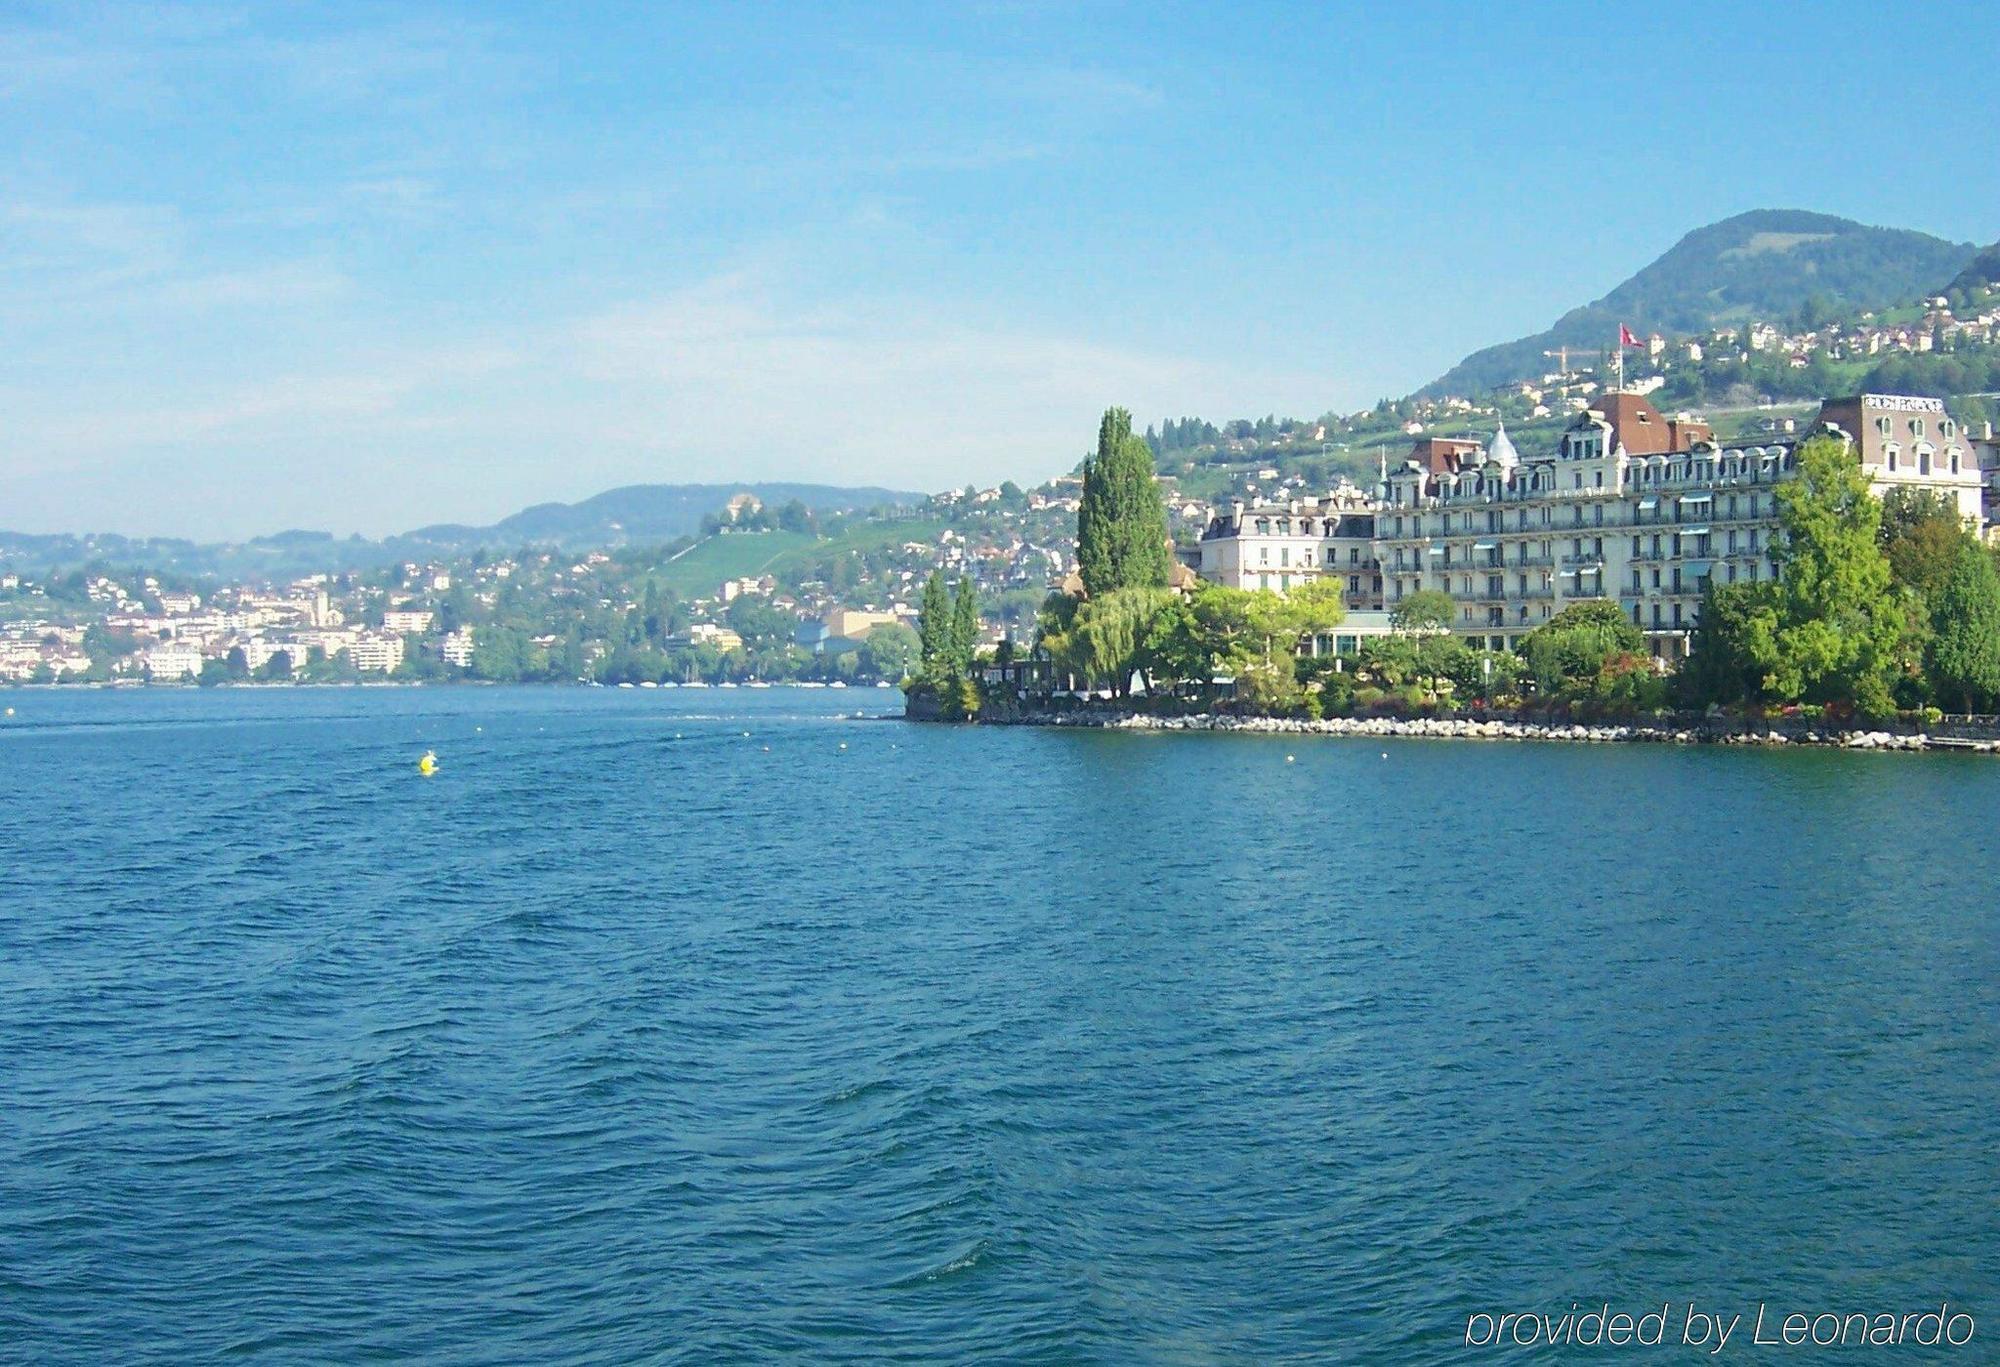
[1282,545]
[406,622]
[173,662]
[373,654]
[1513,544]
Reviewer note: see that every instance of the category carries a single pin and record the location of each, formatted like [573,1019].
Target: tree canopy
[1121,521]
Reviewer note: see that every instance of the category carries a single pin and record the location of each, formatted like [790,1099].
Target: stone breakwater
[1665,733]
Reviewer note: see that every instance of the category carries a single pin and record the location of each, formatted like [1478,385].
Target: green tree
[1730,638]
[1921,534]
[1839,625]
[964,625]
[1964,654]
[891,652]
[1566,654]
[934,620]
[1425,610]
[1121,521]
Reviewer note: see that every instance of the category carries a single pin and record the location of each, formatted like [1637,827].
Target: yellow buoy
[428,765]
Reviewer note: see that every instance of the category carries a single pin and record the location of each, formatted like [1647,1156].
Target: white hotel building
[1632,508]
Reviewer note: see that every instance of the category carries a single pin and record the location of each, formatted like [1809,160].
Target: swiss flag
[1625,337]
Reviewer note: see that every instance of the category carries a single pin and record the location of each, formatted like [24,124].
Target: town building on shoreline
[1283,545]
[1633,507]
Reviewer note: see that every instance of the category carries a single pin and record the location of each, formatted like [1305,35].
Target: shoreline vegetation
[1884,616]
[1976,735]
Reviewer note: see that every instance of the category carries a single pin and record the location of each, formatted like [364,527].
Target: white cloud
[903,392]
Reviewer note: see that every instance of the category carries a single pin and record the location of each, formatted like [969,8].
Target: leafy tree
[1839,626]
[1731,636]
[1121,521]
[1566,654]
[891,651]
[1921,534]
[1101,642]
[1964,654]
[1425,610]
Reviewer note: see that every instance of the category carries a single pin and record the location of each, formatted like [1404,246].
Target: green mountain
[1982,272]
[638,514]
[1765,264]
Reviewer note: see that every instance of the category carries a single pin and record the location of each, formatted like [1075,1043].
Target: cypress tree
[1121,522]
[934,620]
[965,624]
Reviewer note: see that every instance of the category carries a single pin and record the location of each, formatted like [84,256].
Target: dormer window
[1947,429]
[1885,428]
[1917,428]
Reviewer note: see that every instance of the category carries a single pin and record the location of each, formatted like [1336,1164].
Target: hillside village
[762,593]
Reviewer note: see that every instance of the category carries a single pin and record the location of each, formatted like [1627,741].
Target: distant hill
[637,514]
[1982,272]
[1762,264]
[640,513]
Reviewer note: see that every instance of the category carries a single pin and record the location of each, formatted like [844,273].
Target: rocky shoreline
[1702,731]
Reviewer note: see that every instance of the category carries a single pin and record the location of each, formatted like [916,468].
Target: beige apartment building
[1633,507]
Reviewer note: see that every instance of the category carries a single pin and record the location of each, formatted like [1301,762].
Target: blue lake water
[632,1036]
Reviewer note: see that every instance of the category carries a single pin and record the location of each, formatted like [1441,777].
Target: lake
[726,1026]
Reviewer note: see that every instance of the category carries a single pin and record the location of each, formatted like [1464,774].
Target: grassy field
[703,569]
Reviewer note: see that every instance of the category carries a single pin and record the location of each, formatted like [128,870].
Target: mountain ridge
[1762,263]
[627,515]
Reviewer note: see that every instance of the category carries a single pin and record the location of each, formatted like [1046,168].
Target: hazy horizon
[372,268]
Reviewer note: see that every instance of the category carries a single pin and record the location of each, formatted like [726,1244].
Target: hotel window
[1354,583]
[1947,429]
[1917,427]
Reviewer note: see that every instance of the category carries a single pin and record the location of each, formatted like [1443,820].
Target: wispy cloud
[732,367]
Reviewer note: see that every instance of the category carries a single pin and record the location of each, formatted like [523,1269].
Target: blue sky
[363,268]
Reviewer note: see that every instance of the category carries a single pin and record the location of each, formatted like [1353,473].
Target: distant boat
[883,683]
[725,684]
[694,683]
[756,683]
[836,684]
[670,683]
[648,683]
[626,684]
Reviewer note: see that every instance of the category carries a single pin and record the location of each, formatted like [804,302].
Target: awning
[1694,531]
[1437,550]
[1649,503]
[1482,545]
[1696,498]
